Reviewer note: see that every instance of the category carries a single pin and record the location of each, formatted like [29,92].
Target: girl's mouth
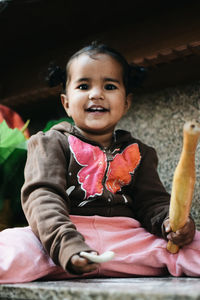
[96,109]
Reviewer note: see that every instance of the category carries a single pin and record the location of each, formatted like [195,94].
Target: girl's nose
[96,94]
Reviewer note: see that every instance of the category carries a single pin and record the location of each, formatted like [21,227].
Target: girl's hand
[80,265]
[183,236]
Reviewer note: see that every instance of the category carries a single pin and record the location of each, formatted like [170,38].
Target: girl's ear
[128,102]
[65,103]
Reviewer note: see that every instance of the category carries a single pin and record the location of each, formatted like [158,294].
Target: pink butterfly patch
[94,165]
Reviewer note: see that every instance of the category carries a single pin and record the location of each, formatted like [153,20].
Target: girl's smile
[95,95]
[96,109]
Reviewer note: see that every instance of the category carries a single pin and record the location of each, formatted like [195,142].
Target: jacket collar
[119,136]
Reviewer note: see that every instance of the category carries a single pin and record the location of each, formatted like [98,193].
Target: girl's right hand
[184,235]
[80,265]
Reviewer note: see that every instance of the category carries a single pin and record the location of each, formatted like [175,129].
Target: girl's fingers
[180,238]
[184,235]
[82,265]
[78,261]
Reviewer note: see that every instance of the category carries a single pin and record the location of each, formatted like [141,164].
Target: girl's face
[95,96]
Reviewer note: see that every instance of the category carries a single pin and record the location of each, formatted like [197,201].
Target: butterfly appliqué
[96,169]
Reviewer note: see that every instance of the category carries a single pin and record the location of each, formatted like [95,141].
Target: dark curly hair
[133,75]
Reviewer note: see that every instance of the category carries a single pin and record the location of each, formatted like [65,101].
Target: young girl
[91,188]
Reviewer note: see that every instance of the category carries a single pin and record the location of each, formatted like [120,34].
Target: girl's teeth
[96,109]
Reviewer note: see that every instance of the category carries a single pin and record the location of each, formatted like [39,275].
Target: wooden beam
[32,96]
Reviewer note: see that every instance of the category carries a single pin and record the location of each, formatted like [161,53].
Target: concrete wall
[157,118]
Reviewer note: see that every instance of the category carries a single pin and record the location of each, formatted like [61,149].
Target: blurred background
[163,36]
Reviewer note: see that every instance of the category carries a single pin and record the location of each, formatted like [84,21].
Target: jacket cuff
[164,233]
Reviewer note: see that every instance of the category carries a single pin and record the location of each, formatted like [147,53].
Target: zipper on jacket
[109,157]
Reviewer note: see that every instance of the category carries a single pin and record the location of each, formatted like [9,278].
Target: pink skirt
[137,252]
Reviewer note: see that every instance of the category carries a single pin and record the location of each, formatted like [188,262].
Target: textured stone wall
[157,119]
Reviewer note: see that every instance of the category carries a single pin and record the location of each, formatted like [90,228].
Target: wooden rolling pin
[183,181]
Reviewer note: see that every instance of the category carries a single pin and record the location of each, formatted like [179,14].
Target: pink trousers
[137,252]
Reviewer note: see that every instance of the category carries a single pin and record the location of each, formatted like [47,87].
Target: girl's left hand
[183,236]
[80,265]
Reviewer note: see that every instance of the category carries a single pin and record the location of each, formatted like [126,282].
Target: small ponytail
[56,76]
[136,76]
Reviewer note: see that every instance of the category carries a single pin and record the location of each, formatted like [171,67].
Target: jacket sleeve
[44,199]
[151,201]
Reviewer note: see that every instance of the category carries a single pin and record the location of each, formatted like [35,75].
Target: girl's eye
[110,86]
[83,86]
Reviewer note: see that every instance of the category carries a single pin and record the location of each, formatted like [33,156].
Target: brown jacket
[67,174]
